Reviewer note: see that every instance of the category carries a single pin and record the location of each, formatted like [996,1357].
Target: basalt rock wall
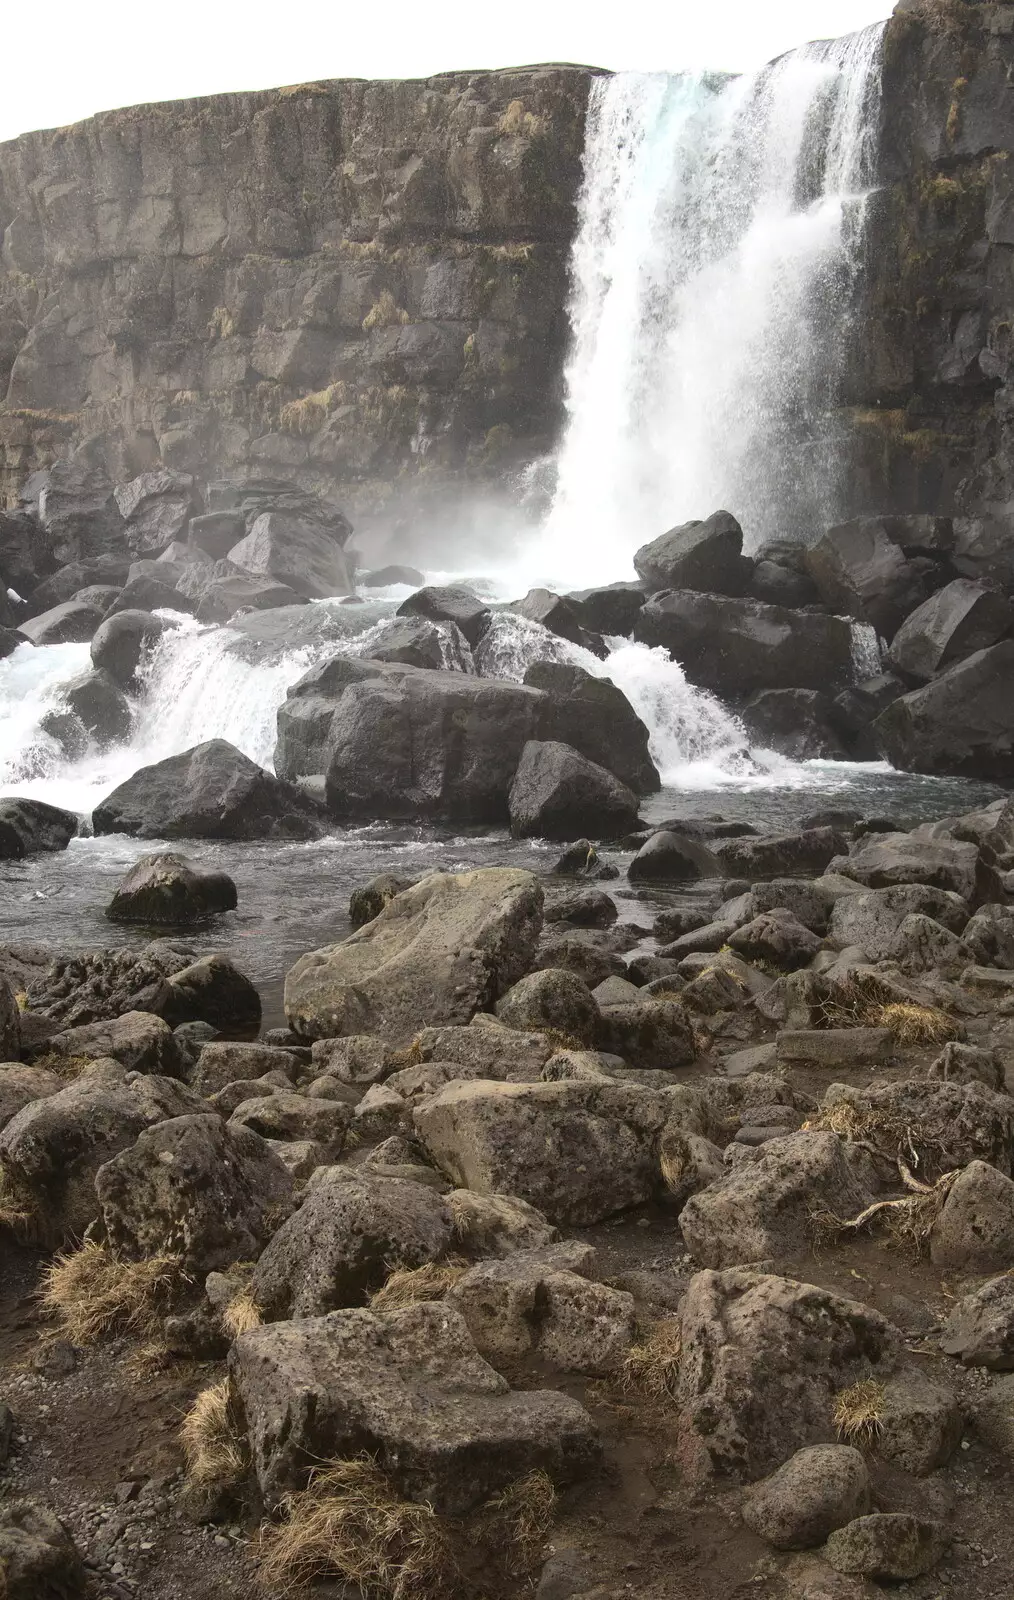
[342,282]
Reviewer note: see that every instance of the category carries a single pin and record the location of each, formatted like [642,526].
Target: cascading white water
[712,270]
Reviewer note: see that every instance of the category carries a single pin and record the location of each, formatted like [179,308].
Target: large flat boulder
[953,623]
[860,570]
[304,556]
[31,827]
[73,622]
[738,646]
[883,860]
[697,555]
[596,718]
[961,723]
[408,1387]
[212,791]
[449,604]
[438,953]
[871,920]
[578,1150]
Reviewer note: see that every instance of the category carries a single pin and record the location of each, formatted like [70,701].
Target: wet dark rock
[798,723]
[215,533]
[31,827]
[212,791]
[69,623]
[305,557]
[672,858]
[384,577]
[122,642]
[10,639]
[557,793]
[97,713]
[77,510]
[170,889]
[138,1040]
[459,606]
[584,908]
[369,900]
[961,618]
[222,590]
[859,570]
[156,508]
[76,576]
[728,645]
[706,556]
[212,990]
[612,609]
[412,642]
[146,592]
[560,616]
[961,723]
[594,717]
[780,855]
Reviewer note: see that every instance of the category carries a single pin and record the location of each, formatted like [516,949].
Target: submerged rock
[170,889]
[557,793]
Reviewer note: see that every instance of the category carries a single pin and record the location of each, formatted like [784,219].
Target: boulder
[880,860]
[20,1084]
[123,642]
[611,609]
[51,1149]
[410,1389]
[553,999]
[697,555]
[170,889]
[582,908]
[448,947]
[38,1558]
[76,507]
[212,990]
[412,642]
[410,743]
[980,1329]
[775,937]
[920,1422]
[595,717]
[578,1150]
[496,1224]
[765,1208]
[798,723]
[974,1229]
[871,920]
[73,576]
[855,710]
[10,639]
[537,1302]
[302,555]
[386,577]
[448,604]
[147,593]
[221,589]
[923,945]
[809,901]
[31,827]
[836,1047]
[888,1546]
[962,723]
[369,900]
[953,623]
[668,857]
[557,794]
[195,1188]
[306,715]
[73,622]
[95,712]
[211,791]
[990,936]
[732,645]
[859,570]
[651,1033]
[818,1489]
[156,508]
[966,1063]
[762,1359]
[936,1126]
[215,533]
[350,1232]
[286,1117]
[487,1049]
[139,1041]
[557,615]
[778,855]
[221,1063]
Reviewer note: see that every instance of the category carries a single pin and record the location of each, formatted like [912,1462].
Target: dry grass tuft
[214,1453]
[558,1040]
[384,313]
[94,1295]
[410,1055]
[242,1314]
[309,414]
[516,1523]
[652,1367]
[912,1024]
[408,1286]
[349,1524]
[17,1213]
[857,1412]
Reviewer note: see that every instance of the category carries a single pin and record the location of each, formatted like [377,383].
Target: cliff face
[342,281]
[931,420]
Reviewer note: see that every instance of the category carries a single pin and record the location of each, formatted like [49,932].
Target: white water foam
[719,223]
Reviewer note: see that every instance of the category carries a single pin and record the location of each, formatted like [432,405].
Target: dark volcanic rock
[69,623]
[612,609]
[960,723]
[170,889]
[672,858]
[215,533]
[212,791]
[307,558]
[859,570]
[77,509]
[449,605]
[697,555]
[145,592]
[597,719]
[222,589]
[123,640]
[558,794]
[733,645]
[156,508]
[795,722]
[558,614]
[950,625]
[29,827]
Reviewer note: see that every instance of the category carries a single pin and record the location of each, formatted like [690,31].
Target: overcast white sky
[70,58]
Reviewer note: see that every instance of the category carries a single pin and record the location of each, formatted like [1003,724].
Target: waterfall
[712,279]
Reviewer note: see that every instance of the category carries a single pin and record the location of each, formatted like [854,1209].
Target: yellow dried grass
[652,1367]
[214,1453]
[93,1295]
[858,1411]
[409,1286]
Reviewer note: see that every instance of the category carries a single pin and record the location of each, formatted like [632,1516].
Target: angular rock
[962,723]
[920,1422]
[858,569]
[38,1557]
[96,712]
[369,900]
[31,827]
[697,555]
[411,1389]
[156,508]
[194,1188]
[966,1063]
[20,1085]
[139,1041]
[765,1208]
[871,920]
[727,644]
[953,623]
[212,990]
[889,1546]
[818,1489]
[612,609]
[446,948]
[763,1358]
[304,557]
[70,623]
[77,509]
[974,1230]
[496,1224]
[779,855]
[170,889]
[881,860]
[990,936]
[287,1117]
[776,937]
[980,1329]
[577,1150]
[211,791]
[583,908]
[551,999]
[798,723]
[836,1047]
[558,615]
[350,1232]
[219,1064]
[557,794]
[537,1302]
[653,1033]
[949,1124]
[595,717]
[449,604]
